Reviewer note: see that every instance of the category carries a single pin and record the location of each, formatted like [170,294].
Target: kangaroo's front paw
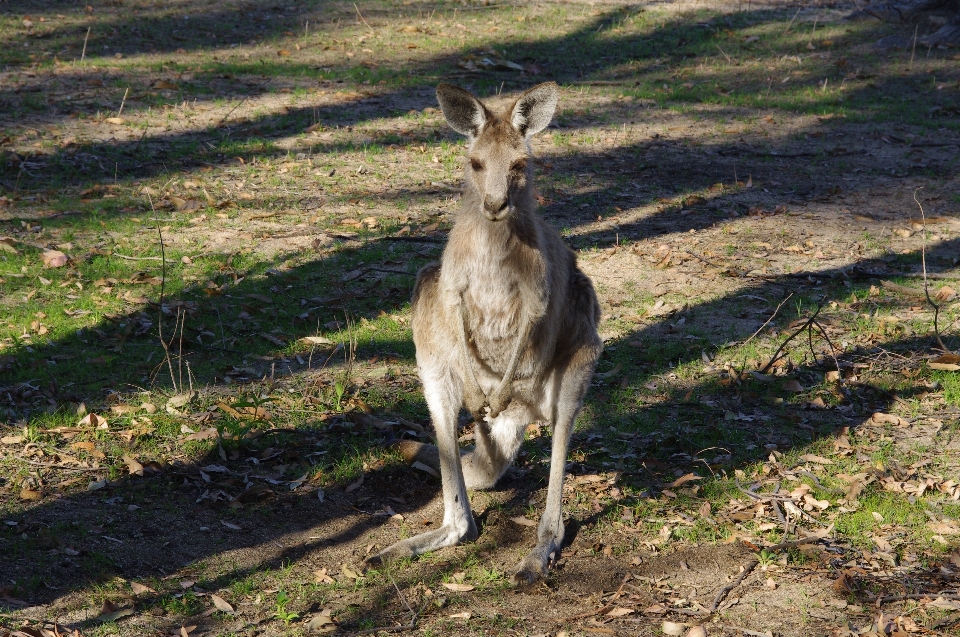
[499,399]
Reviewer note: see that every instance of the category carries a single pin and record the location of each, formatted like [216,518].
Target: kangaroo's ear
[534,109]
[464,112]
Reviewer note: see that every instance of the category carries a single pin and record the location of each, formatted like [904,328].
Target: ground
[211,217]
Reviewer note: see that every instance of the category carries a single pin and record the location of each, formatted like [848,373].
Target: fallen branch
[747,569]
[805,326]
[738,629]
[900,598]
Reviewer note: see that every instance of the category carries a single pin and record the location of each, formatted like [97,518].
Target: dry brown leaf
[54,259]
[792,385]
[697,631]
[809,457]
[459,588]
[93,420]
[349,572]
[690,477]
[353,486]
[463,615]
[140,589]
[134,467]
[11,440]
[117,121]
[619,611]
[522,521]
[221,604]
[320,576]
[880,417]
[30,494]
[946,367]
[673,628]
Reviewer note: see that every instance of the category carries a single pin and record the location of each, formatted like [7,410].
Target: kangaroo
[505,325]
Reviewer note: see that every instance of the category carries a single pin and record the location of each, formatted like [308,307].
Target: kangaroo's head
[498,146]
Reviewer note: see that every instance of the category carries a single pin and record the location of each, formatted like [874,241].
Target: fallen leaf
[140,589]
[134,467]
[792,385]
[353,486]
[349,572]
[460,588]
[11,440]
[690,477]
[93,420]
[697,631]
[809,457]
[464,615]
[320,576]
[316,340]
[619,611]
[109,612]
[880,417]
[946,367]
[522,521]
[221,604]
[54,259]
[673,628]
[114,120]
[322,622]
[30,494]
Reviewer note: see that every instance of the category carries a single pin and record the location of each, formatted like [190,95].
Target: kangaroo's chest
[493,306]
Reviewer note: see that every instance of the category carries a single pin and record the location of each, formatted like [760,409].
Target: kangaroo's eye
[476,165]
[520,165]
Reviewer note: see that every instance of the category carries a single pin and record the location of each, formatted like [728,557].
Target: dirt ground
[712,229]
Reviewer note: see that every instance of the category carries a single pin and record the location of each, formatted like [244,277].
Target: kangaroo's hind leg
[573,383]
[443,390]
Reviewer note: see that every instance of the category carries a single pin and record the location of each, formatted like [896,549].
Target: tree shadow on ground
[112,530]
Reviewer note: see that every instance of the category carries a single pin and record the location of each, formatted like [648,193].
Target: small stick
[123,101]
[752,564]
[362,18]
[729,61]
[83,53]
[914,51]
[926,287]
[772,316]
[791,21]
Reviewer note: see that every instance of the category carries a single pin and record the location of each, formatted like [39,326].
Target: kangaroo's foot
[534,565]
[446,535]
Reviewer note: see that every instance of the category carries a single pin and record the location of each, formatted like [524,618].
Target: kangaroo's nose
[494,206]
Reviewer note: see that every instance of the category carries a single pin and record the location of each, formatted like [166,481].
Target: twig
[738,629]
[163,282]
[53,465]
[83,53]
[729,60]
[220,123]
[123,256]
[900,598]
[805,326]
[123,101]
[926,287]
[914,51]
[747,569]
[772,316]
[362,18]
[791,21]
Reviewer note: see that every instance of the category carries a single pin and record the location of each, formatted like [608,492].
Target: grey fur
[506,326]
